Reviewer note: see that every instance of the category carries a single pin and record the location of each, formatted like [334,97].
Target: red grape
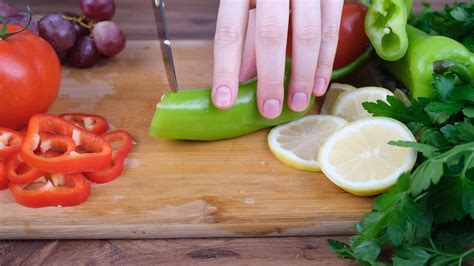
[58,31]
[108,38]
[7,10]
[84,53]
[22,18]
[98,10]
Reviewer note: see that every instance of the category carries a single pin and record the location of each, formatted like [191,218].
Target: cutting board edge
[145,231]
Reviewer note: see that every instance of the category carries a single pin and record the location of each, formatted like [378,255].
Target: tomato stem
[4,31]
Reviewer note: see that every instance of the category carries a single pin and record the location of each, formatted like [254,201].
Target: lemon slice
[402,97]
[349,104]
[332,94]
[297,143]
[359,159]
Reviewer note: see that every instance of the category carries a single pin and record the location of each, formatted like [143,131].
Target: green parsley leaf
[458,133]
[410,256]
[444,86]
[342,249]
[427,150]
[462,93]
[468,111]
[441,112]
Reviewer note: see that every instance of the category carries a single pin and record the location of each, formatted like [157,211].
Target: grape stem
[80,21]
[4,30]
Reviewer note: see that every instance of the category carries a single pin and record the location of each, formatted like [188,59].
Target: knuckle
[303,80]
[227,35]
[330,33]
[325,64]
[223,73]
[308,34]
[271,33]
[272,84]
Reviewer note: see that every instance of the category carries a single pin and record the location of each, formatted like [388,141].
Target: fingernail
[271,108]
[319,87]
[223,97]
[299,101]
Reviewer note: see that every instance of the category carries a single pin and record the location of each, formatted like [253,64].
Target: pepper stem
[4,30]
[458,68]
[341,72]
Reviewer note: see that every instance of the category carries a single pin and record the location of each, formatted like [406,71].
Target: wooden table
[197,21]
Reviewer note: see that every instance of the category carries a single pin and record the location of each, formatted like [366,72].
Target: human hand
[249,43]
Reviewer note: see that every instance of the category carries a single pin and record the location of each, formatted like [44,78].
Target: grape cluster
[80,40]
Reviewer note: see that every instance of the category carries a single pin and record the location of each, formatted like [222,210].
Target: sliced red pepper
[3,177]
[18,172]
[53,190]
[121,142]
[10,142]
[95,124]
[91,153]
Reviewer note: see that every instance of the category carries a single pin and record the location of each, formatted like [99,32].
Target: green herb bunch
[455,21]
[427,218]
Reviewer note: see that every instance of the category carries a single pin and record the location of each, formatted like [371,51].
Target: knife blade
[165,43]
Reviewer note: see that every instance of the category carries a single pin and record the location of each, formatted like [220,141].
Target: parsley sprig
[428,216]
[455,21]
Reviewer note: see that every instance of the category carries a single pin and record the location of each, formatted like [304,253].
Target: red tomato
[30,76]
[352,38]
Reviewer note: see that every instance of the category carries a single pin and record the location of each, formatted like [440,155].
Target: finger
[306,28]
[228,43]
[330,21]
[248,68]
[271,31]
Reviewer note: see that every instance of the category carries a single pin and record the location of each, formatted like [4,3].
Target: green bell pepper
[190,114]
[385,24]
[415,69]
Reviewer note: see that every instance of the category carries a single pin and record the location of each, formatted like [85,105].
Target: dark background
[187,19]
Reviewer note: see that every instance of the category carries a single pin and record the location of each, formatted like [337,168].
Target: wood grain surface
[180,189]
[243,251]
[136,19]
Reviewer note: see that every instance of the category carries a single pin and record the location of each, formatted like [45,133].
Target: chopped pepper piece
[385,24]
[95,124]
[18,172]
[415,69]
[3,177]
[53,190]
[10,142]
[91,153]
[124,140]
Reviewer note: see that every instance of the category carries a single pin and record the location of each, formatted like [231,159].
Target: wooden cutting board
[173,189]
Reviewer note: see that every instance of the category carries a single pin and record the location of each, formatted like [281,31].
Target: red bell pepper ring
[10,142]
[53,190]
[3,176]
[124,141]
[91,153]
[18,172]
[95,124]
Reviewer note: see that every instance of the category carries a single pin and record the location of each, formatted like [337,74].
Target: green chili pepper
[190,114]
[415,69]
[385,24]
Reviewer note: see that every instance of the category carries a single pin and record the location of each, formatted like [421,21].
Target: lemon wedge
[349,104]
[297,143]
[335,89]
[359,159]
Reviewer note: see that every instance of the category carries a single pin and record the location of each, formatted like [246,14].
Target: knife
[165,43]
